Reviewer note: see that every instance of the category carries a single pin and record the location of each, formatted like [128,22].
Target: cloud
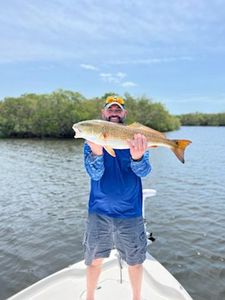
[121,75]
[117,78]
[89,67]
[113,78]
[147,61]
[64,30]
[128,84]
[107,77]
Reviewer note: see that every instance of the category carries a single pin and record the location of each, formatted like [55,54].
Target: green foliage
[154,115]
[52,115]
[200,119]
[42,115]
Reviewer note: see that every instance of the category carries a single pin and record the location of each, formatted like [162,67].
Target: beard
[112,118]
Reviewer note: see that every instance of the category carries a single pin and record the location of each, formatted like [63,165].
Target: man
[115,203]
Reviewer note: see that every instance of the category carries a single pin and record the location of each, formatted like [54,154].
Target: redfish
[115,136]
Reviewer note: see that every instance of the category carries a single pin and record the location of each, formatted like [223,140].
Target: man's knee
[96,262]
[135,267]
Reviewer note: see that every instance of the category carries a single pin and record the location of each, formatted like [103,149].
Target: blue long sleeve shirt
[116,188]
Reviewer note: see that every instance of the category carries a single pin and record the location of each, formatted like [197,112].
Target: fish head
[77,132]
[83,129]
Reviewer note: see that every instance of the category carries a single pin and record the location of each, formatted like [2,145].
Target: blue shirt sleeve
[141,168]
[94,164]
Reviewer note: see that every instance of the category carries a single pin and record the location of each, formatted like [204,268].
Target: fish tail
[179,148]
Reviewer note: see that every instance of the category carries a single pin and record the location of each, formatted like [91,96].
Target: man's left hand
[138,146]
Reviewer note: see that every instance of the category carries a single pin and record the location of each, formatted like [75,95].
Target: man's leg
[131,242]
[136,274]
[98,242]
[93,272]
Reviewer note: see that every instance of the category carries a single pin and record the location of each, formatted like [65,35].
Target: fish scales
[115,136]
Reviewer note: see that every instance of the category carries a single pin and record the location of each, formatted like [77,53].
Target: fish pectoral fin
[137,125]
[110,150]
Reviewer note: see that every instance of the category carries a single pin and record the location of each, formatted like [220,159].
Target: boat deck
[70,283]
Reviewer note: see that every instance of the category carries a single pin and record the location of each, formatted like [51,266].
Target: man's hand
[95,149]
[138,146]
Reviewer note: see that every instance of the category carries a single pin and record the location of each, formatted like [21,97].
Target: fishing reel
[150,237]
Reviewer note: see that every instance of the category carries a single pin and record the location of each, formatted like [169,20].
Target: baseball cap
[114,100]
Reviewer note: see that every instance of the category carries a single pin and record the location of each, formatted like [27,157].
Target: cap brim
[114,103]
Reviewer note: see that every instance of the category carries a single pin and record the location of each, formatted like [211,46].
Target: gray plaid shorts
[104,233]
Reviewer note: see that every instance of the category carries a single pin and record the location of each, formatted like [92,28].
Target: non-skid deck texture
[70,284]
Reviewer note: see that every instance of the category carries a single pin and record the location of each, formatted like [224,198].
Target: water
[43,199]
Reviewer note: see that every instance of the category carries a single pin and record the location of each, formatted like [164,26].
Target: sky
[172,51]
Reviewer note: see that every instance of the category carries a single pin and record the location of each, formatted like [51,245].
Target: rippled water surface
[43,199]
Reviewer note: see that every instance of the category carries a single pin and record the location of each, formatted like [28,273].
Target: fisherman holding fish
[115,204]
[116,158]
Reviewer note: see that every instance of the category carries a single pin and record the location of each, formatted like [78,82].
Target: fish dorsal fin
[137,125]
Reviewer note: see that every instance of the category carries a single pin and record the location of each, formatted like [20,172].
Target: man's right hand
[95,149]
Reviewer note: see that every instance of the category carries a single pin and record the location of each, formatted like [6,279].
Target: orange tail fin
[179,148]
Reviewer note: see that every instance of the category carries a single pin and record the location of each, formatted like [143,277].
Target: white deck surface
[70,283]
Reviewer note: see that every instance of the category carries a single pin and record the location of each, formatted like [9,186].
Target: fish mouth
[77,132]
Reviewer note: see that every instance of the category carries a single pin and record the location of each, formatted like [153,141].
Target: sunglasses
[111,99]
